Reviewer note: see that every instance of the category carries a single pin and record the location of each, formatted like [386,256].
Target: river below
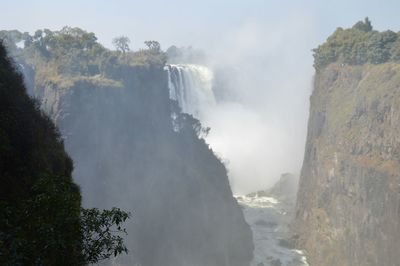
[269,220]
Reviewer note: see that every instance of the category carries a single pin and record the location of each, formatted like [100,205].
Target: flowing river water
[269,220]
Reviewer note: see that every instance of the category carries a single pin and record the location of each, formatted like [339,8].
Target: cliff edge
[348,206]
[119,125]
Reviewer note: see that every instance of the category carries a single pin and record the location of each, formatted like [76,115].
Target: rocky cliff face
[348,208]
[127,154]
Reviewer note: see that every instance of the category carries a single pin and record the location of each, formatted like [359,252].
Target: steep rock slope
[348,208]
[39,202]
[127,154]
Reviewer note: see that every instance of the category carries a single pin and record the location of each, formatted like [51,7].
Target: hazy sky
[267,42]
[184,22]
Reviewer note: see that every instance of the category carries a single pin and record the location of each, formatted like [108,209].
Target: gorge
[120,133]
[168,138]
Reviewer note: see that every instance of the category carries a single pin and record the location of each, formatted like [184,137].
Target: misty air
[200,133]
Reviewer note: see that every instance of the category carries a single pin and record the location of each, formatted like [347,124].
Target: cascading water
[191,86]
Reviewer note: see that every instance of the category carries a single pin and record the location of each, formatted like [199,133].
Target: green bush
[72,52]
[358,45]
[41,220]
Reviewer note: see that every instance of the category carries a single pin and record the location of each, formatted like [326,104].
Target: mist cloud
[260,131]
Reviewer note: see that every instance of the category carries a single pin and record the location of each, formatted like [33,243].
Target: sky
[184,22]
[267,42]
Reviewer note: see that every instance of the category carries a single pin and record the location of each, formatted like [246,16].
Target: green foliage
[187,124]
[40,205]
[102,233]
[153,45]
[44,228]
[69,54]
[358,45]
[148,58]
[363,25]
[41,221]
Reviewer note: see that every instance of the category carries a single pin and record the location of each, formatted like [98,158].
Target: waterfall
[191,86]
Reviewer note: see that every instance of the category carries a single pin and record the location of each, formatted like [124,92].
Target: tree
[358,45]
[10,39]
[380,46]
[173,52]
[121,43]
[102,233]
[153,45]
[364,25]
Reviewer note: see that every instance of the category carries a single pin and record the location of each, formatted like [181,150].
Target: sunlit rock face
[127,154]
[348,204]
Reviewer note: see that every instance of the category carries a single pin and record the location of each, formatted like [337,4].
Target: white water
[269,220]
[191,86]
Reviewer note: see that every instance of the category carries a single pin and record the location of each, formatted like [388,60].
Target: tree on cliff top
[363,25]
[68,55]
[153,45]
[121,43]
[358,45]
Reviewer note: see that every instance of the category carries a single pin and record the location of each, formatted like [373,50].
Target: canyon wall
[348,205]
[133,148]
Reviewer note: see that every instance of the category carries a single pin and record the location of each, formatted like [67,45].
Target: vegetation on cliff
[127,153]
[72,54]
[358,45]
[41,220]
[348,199]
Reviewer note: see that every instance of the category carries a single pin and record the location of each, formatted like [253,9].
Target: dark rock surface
[127,154]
